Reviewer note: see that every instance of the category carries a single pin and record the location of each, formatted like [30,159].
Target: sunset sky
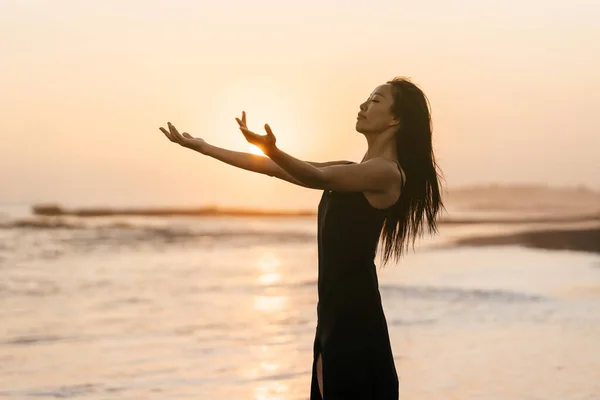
[514,88]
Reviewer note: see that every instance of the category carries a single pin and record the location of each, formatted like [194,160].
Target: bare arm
[255,163]
[375,175]
[247,161]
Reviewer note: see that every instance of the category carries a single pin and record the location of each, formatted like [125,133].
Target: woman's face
[375,114]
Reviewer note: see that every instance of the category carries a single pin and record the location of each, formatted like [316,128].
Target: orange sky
[514,87]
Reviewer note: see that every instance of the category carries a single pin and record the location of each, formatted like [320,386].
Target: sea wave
[143,231]
[458,294]
[31,239]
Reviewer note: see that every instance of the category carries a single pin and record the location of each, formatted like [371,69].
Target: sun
[252,149]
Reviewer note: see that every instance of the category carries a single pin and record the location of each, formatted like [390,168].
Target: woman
[389,195]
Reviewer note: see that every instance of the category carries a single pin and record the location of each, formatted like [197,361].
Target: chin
[359,128]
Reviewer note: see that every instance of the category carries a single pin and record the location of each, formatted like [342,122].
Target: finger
[246,132]
[167,134]
[187,135]
[172,129]
[241,123]
[249,135]
[268,129]
[176,135]
[244,117]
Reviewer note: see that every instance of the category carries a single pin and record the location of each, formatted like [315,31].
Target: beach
[176,307]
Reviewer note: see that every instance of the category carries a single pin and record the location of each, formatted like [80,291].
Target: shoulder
[386,166]
[389,172]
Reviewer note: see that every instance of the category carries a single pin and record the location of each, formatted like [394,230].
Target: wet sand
[575,239]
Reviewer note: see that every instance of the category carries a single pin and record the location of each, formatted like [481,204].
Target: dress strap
[401,173]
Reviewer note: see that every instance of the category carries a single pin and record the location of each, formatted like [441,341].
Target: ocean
[225,307]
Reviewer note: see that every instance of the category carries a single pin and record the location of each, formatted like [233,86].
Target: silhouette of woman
[391,195]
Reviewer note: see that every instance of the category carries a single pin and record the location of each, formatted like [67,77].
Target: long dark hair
[420,199]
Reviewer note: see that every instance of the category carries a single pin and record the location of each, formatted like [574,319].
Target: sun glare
[254,150]
[263,103]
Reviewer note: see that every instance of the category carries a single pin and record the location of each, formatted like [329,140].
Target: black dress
[352,334]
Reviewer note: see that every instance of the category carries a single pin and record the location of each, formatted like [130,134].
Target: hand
[263,142]
[184,139]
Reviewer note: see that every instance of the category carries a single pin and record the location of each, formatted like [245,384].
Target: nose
[363,106]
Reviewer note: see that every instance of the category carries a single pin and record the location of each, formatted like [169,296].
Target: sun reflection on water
[268,261]
[273,304]
[268,264]
[269,278]
[270,303]
[271,391]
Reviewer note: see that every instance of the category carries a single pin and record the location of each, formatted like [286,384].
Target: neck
[381,145]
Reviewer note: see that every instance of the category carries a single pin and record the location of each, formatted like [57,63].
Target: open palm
[184,139]
[263,142]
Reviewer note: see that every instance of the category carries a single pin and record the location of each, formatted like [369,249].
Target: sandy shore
[578,239]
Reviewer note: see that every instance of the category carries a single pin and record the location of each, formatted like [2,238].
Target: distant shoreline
[57,211]
[576,239]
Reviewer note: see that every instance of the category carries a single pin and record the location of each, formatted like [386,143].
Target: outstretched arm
[256,163]
[247,161]
[375,175]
